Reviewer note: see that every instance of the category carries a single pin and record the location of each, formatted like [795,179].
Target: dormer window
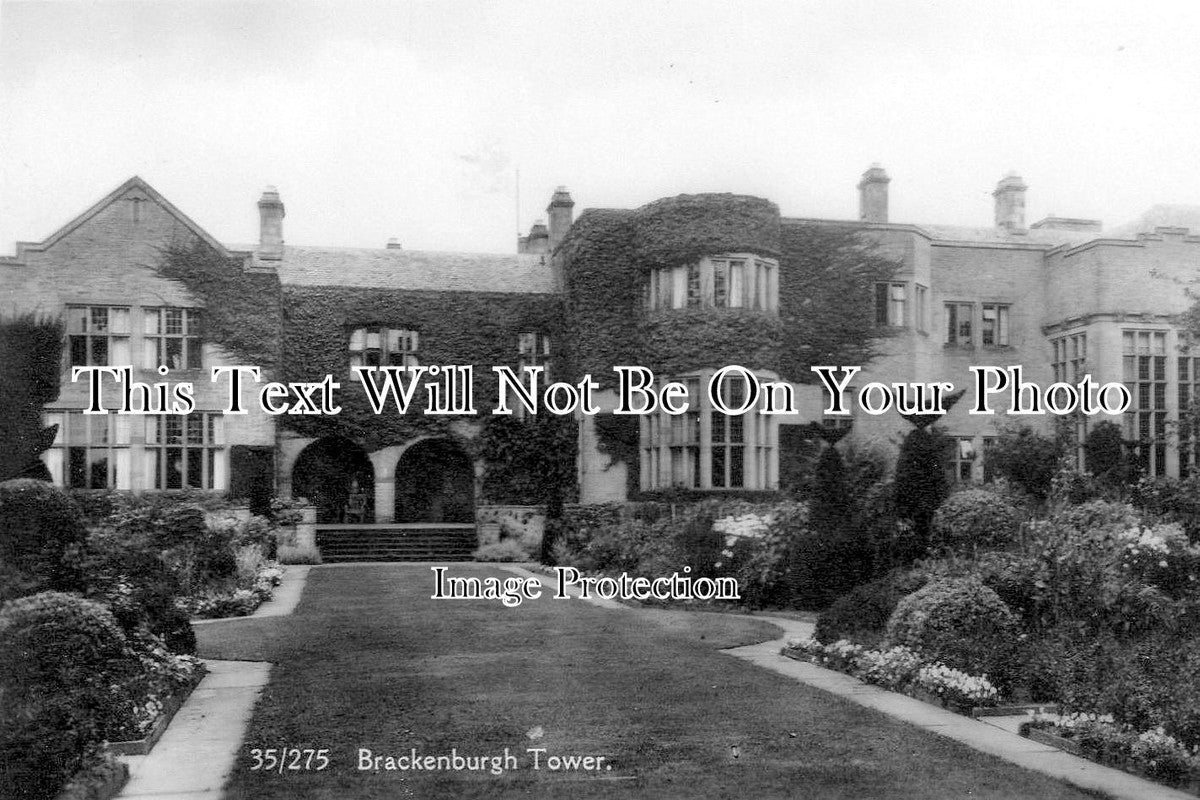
[383,347]
[726,281]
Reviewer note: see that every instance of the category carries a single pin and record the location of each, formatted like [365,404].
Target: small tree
[1104,454]
[30,353]
[921,484]
[1028,460]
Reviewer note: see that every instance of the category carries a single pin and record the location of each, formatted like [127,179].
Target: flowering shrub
[1155,753]
[959,622]
[974,518]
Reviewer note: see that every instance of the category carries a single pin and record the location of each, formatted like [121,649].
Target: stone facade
[1060,297]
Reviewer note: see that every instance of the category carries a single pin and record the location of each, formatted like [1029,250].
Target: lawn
[369,661]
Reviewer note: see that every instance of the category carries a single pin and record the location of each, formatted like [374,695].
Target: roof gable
[135,186]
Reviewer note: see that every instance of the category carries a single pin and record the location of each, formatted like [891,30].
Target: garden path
[994,735]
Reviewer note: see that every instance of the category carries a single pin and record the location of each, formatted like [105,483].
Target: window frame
[891,304]
[106,439]
[195,453]
[741,281]
[155,343]
[702,448]
[953,311]
[405,355]
[1002,328]
[114,340]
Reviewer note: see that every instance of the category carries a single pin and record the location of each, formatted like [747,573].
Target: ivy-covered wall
[827,276]
[826,284]
[456,328]
[241,309]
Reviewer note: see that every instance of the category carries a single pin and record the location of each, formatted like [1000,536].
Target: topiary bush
[975,519]
[66,670]
[961,623]
[39,526]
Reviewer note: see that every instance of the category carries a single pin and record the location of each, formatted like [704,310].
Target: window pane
[718,467]
[736,471]
[79,351]
[98,347]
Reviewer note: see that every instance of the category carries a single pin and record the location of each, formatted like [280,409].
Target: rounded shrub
[65,666]
[959,622]
[39,526]
[862,614]
[973,519]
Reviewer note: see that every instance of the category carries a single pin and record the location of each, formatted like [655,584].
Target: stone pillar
[383,463]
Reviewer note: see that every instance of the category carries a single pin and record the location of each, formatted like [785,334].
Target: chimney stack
[1010,202]
[560,212]
[394,244]
[270,231]
[873,194]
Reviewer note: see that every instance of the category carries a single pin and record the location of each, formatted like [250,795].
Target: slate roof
[1163,215]
[365,267]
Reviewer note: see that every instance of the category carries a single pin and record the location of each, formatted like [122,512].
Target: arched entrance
[328,472]
[435,482]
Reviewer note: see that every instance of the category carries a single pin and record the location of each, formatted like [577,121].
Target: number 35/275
[288,759]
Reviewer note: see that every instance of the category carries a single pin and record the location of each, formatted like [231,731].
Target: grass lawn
[369,661]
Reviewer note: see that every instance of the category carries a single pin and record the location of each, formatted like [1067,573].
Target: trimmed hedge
[39,526]
[64,668]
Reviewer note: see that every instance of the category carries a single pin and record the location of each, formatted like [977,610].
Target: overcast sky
[412,119]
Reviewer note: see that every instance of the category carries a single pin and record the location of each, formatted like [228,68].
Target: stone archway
[328,471]
[435,482]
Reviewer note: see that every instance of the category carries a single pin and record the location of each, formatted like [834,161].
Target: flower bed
[1151,754]
[235,602]
[158,715]
[899,669]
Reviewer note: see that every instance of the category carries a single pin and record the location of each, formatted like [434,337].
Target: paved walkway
[195,756]
[202,744]
[995,735]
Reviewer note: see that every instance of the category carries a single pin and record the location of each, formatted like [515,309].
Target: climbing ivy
[827,279]
[529,461]
[241,307]
[454,328]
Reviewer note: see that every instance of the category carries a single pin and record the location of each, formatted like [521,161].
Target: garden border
[140,747]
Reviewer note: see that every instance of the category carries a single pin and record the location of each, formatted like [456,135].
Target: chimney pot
[873,194]
[1010,202]
[270,228]
[561,213]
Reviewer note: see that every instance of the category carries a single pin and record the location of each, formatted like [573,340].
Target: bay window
[725,281]
[704,448]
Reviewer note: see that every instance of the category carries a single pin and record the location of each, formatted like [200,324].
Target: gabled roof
[391,268]
[133,183]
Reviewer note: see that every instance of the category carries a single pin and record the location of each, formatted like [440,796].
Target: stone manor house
[1061,297]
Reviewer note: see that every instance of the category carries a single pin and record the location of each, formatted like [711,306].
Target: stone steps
[400,542]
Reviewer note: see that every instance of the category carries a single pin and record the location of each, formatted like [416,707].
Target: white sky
[410,119]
